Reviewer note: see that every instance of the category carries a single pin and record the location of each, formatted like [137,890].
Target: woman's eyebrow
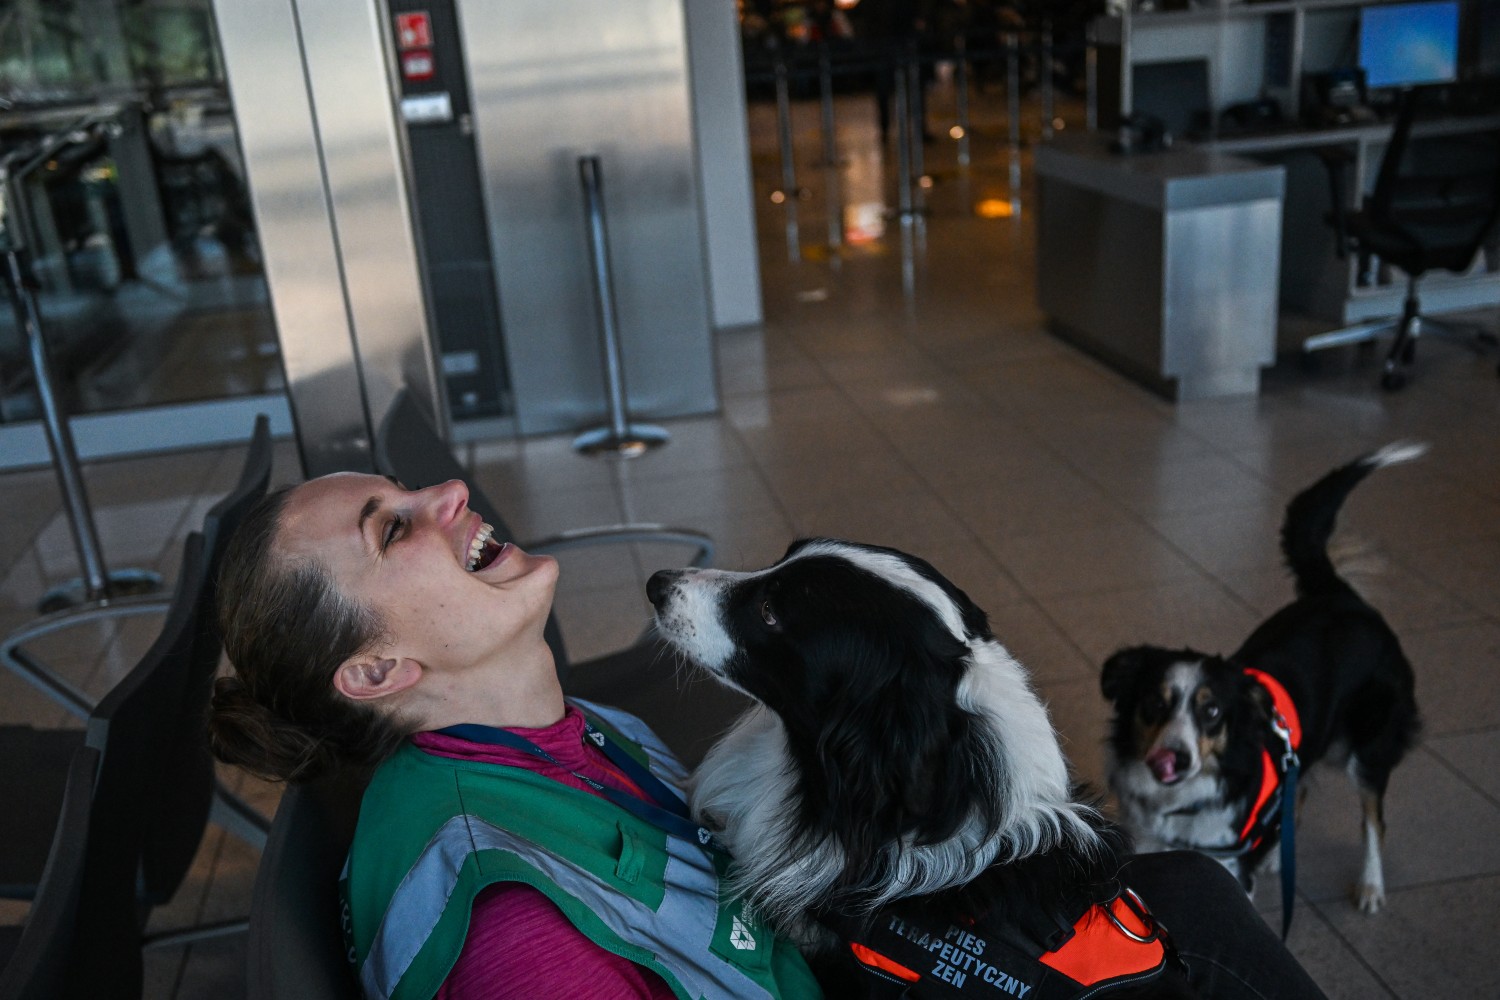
[367,511]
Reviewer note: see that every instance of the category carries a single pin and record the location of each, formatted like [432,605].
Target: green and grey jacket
[433,832]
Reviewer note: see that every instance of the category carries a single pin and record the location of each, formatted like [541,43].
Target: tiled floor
[921,405]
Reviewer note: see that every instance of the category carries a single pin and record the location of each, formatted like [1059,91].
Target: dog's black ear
[1120,670]
[1257,695]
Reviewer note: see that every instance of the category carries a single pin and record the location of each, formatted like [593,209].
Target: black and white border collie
[1189,729]
[896,750]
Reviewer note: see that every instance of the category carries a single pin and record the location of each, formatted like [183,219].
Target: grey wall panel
[723,146]
[554,80]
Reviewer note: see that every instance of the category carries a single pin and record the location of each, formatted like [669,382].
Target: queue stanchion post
[904,207]
[917,124]
[621,438]
[1013,113]
[961,95]
[1045,69]
[96,584]
[1091,79]
[833,191]
[789,192]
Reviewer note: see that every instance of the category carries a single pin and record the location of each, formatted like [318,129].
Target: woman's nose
[447,500]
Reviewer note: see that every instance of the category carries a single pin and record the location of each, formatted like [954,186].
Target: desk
[1315,283]
[1162,264]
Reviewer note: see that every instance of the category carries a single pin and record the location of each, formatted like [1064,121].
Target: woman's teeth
[476,547]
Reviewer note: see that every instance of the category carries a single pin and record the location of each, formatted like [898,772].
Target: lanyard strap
[666,810]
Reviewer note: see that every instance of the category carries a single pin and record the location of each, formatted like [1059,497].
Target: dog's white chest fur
[1190,815]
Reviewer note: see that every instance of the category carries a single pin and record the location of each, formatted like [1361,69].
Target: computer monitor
[1409,44]
[1175,92]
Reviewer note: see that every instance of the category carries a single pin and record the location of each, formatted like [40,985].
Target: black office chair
[1435,201]
[35,955]
[296,949]
[642,678]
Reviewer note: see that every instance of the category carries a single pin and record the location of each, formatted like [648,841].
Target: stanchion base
[122,583]
[634,442]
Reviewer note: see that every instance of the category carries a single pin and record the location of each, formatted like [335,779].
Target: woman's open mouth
[483,550]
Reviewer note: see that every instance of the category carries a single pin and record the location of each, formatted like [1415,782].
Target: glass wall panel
[141,239]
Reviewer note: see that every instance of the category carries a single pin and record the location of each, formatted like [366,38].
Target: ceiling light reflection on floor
[994,208]
[864,222]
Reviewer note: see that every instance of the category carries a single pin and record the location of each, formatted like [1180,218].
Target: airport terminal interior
[905,388]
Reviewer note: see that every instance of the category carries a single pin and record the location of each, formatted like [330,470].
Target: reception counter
[1165,265]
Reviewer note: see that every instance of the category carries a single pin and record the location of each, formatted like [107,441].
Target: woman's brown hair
[287,629]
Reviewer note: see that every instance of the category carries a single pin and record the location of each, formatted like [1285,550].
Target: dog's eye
[768,614]
[1212,711]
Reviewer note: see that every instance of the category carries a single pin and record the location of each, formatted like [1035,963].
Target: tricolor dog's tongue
[1163,764]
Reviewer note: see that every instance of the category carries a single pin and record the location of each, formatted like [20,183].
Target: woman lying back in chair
[510,843]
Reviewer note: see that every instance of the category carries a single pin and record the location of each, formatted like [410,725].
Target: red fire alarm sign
[414,30]
[417,65]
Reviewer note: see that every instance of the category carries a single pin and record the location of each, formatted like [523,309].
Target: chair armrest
[612,534]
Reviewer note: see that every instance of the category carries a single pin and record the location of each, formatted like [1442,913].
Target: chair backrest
[295,948]
[45,950]
[186,789]
[409,447]
[1440,193]
[135,747]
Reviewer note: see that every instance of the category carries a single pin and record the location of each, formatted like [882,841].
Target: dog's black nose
[658,585]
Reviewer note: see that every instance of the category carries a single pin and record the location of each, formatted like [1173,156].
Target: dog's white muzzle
[690,607]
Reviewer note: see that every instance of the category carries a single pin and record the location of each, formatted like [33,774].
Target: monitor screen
[1174,92]
[1409,44]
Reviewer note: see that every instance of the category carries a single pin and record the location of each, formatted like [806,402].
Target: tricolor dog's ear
[1256,694]
[1120,671]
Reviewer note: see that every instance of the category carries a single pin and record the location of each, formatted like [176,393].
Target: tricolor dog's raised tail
[1311,515]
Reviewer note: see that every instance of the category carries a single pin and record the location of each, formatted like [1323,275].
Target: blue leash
[1288,809]
[1288,848]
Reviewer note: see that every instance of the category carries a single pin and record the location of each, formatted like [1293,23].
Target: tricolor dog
[1201,743]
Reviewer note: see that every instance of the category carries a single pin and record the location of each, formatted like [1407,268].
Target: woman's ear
[366,678]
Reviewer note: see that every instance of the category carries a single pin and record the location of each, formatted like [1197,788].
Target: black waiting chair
[131,728]
[641,678]
[196,796]
[35,956]
[192,801]
[1435,202]
[296,949]
[157,772]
